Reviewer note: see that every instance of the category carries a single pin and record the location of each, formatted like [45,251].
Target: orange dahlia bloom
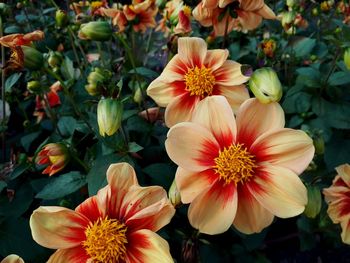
[193,74]
[55,155]
[15,40]
[338,198]
[142,14]
[116,225]
[118,18]
[241,171]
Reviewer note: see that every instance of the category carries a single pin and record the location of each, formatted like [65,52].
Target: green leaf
[67,125]
[134,147]
[145,72]
[309,77]
[337,153]
[3,184]
[303,47]
[19,204]
[297,103]
[27,140]
[11,81]
[67,69]
[16,238]
[96,178]
[161,174]
[20,169]
[61,186]
[339,78]
[12,30]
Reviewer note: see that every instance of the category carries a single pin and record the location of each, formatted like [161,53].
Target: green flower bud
[314,11]
[33,59]
[96,30]
[138,95]
[288,18]
[109,116]
[91,88]
[291,3]
[314,203]
[61,18]
[174,195]
[319,145]
[347,58]
[55,59]
[265,85]
[34,86]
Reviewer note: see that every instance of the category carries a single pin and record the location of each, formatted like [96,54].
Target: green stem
[3,138]
[75,51]
[79,46]
[99,48]
[80,162]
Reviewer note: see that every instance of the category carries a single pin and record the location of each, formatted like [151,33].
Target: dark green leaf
[11,81]
[134,147]
[3,184]
[67,125]
[339,78]
[67,69]
[28,139]
[145,72]
[161,174]
[61,186]
[303,47]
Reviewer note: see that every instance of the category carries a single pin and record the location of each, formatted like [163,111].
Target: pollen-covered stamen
[235,164]
[200,81]
[106,241]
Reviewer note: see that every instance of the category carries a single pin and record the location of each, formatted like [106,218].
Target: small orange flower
[239,170]
[15,40]
[55,155]
[193,74]
[116,225]
[142,14]
[338,198]
[118,18]
[268,46]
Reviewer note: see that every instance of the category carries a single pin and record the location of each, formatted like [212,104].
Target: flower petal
[69,255]
[192,51]
[345,234]
[235,95]
[146,208]
[57,227]
[191,146]
[251,216]
[254,118]
[174,70]
[229,74]
[212,212]
[279,190]
[12,259]
[147,247]
[180,109]
[248,20]
[209,3]
[160,92]
[91,208]
[344,173]
[266,13]
[292,149]
[215,58]
[215,114]
[191,184]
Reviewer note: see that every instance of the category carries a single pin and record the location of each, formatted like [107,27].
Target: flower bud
[109,116]
[314,203]
[34,86]
[96,30]
[61,18]
[291,3]
[33,59]
[265,85]
[174,195]
[55,155]
[96,78]
[347,58]
[138,95]
[319,144]
[54,59]
[91,89]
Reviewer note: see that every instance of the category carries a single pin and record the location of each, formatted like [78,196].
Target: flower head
[116,225]
[15,40]
[55,155]
[337,197]
[241,171]
[194,74]
[141,14]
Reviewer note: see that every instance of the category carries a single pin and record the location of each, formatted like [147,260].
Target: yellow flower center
[106,241]
[187,10]
[235,164]
[200,81]
[96,4]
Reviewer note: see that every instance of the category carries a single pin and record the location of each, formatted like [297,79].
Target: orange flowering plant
[219,124]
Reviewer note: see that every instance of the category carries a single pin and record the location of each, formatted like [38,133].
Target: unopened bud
[33,59]
[314,203]
[96,30]
[291,3]
[109,116]
[34,86]
[61,18]
[138,95]
[55,59]
[174,195]
[265,85]
[347,58]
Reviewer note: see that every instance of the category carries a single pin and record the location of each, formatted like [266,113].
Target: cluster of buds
[176,18]
[109,116]
[55,155]
[96,79]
